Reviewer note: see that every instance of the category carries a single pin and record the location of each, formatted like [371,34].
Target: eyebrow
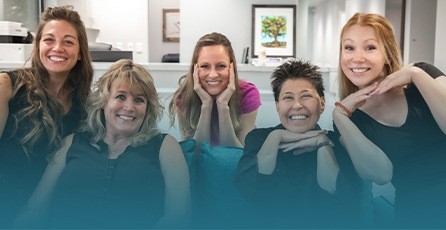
[52,35]
[367,40]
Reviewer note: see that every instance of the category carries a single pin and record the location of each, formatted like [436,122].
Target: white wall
[229,17]
[158,47]
[121,24]
[329,18]
[440,36]
[141,21]
[420,34]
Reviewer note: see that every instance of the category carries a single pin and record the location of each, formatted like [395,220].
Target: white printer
[14,46]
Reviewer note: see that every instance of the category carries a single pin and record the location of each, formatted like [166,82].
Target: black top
[417,150]
[19,174]
[96,192]
[291,197]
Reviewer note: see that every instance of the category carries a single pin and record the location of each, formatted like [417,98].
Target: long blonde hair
[139,80]
[185,100]
[44,112]
[384,31]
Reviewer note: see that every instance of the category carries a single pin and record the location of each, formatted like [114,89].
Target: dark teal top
[417,150]
[291,197]
[19,173]
[97,192]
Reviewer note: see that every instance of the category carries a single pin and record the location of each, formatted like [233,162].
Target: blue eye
[120,97]
[139,100]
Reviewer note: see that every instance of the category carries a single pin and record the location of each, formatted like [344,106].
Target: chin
[214,92]
[296,129]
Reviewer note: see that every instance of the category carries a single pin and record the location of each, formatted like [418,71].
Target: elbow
[381,178]
[384,179]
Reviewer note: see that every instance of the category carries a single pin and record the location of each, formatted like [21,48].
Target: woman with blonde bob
[392,120]
[211,103]
[119,171]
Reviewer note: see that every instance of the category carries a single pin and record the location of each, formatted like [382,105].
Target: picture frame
[270,40]
[171,25]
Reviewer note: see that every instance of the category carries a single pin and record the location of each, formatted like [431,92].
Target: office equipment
[245,56]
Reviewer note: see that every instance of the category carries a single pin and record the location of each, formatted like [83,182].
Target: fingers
[231,74]
[399,78]
[309,143]
[195,76]
[357,99]
[303,150]
[288,136]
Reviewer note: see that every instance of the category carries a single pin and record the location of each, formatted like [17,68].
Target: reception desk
[166,76]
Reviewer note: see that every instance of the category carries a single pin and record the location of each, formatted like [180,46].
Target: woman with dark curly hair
[41,104]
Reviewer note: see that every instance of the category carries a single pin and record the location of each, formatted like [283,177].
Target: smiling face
[213,69]
[124,111]
[299,105]
[59,47]
[362,56]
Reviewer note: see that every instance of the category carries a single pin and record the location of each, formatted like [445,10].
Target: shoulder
[6,86]
[260,134]
[430,69]
[166,142]
[250,97]
[247,87]
[170,150]
[5,80]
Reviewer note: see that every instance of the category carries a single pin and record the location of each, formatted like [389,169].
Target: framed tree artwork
[274,30]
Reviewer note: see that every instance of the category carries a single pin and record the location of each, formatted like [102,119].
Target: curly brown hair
[44,112]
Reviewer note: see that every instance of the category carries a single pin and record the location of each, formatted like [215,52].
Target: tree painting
[274,31]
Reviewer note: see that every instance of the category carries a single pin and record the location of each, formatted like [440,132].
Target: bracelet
[327,143]
[341,106]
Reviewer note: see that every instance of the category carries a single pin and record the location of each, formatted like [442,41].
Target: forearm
[203,131]
[226,131]
[369,160]
[267,156]
[433,92]
[327,169]
[4,112]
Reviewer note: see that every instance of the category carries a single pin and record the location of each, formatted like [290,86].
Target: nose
[213,73]
[58,46]
[358,56]
[129,105]
[297,105]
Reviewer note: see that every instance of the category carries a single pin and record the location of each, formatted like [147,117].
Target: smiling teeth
[359,70]
[213,83]
[126,118]
[58,59]
[299,117]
